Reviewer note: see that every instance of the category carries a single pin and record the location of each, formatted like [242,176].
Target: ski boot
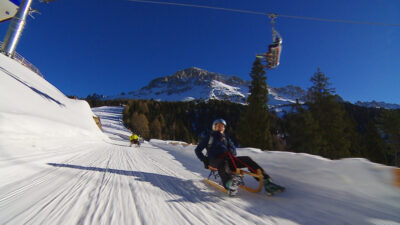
[233,185]
[272,188]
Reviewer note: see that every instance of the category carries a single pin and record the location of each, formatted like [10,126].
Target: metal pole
[15,29]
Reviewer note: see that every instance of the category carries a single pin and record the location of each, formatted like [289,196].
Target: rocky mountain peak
[194,76]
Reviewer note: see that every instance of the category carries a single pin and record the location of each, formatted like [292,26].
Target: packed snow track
[107,182]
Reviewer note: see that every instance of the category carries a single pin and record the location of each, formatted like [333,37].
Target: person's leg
[270,187]
[223,169]
[247,162]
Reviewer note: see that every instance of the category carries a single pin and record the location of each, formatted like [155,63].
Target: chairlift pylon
[17,25]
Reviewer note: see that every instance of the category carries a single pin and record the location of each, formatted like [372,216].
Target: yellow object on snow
[134,137]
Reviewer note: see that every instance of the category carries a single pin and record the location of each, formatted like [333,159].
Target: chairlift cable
[202,6]
[267,14]
[340,21]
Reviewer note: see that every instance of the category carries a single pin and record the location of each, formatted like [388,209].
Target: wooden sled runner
[257,175]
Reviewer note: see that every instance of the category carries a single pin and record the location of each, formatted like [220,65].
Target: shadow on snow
[185,189]
[44,95]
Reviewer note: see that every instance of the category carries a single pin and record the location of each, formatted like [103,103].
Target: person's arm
[202,145]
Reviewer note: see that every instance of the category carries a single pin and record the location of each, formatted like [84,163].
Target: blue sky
[114,46]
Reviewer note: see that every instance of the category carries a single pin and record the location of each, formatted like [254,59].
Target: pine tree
[390,124]
[140,125]
[254,125]
[320,89]
[304,135]
[258,89]
[182,132]
[332,119]
[155,129]
[163,126]
[374,144]
[142,107]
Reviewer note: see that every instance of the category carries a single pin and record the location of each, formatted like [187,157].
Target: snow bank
[352,175]
[31,107]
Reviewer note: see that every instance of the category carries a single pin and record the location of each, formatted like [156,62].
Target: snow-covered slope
[32,107]
[108,182]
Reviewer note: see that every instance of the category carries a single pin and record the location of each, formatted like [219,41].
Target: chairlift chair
[274,53]
[272,57]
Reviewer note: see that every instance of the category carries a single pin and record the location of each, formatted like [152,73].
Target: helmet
[218,121]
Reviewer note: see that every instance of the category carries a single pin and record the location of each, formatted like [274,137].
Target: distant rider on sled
[134,140]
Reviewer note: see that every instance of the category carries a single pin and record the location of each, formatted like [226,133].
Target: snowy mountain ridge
[375,104]
[191,84]
[199,84]
[196,75]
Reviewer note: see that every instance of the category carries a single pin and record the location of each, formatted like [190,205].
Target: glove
[206,163]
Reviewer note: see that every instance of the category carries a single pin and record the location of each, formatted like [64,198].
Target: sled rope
[233,161]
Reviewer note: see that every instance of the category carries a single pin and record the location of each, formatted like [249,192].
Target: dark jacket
[220,145]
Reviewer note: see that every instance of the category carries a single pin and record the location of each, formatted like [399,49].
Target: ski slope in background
[57,168]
